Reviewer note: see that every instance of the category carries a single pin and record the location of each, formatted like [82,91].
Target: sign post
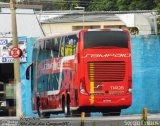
[15,52]
[16,61]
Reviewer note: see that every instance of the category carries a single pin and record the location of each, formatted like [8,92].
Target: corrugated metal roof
[27,23]
[69,18]
[79,16]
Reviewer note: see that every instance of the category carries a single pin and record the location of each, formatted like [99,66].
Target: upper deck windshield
[101,39]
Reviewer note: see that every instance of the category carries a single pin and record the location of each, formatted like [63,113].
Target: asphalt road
[123,120]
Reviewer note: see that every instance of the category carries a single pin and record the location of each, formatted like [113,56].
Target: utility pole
[16,60]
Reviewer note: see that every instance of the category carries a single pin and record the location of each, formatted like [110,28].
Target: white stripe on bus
[64,59]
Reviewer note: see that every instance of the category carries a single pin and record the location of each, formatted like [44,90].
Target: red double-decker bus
[86,70]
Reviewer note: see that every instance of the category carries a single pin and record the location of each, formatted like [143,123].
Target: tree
[142,5]
[123,4]
[118,5]
[158,9]
[70,4]
[103,5]
[4,1]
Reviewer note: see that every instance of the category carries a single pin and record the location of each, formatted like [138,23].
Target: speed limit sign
[15,52]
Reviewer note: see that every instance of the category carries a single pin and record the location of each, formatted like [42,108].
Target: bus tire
[69,111]
[66,107]
[41,114]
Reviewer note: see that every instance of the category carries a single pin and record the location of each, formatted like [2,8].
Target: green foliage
[70,4]
[158,19]
[158,24]
[123,4]
[118,5]
[102,5]
[157,5]
[58,4]
[6,1]
[133,30]
[142,5]
[94,5]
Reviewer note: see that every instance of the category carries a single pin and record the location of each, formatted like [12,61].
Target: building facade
[27,26]
[59,22]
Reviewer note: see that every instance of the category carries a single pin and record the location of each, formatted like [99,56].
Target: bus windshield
[94,39]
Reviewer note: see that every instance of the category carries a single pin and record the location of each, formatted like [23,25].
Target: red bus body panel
[99,77]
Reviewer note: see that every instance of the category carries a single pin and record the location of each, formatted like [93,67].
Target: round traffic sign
[15,52]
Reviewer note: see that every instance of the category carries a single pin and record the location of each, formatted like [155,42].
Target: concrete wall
[146,74]
[26,84]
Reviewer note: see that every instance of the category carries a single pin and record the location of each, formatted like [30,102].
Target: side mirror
[28,71]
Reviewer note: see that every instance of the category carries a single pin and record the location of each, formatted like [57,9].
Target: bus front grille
[106,71]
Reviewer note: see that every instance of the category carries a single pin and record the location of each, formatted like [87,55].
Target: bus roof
[74,32]
[58,35]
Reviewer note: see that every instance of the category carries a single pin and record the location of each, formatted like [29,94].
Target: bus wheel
[69,113]
[42,114]
[66,108]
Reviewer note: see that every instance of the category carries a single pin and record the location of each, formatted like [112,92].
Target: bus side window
[75,43]
[48,44]
[62,48]
[41,49]
[52,47]
[71,45]
[68,46]
[56,47]
[48,48]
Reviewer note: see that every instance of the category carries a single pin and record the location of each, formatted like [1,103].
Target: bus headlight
[83,91]
[83,88]
[129,90]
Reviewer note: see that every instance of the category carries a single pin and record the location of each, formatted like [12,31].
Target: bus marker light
[106,100]
[129,90]
[123,99]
